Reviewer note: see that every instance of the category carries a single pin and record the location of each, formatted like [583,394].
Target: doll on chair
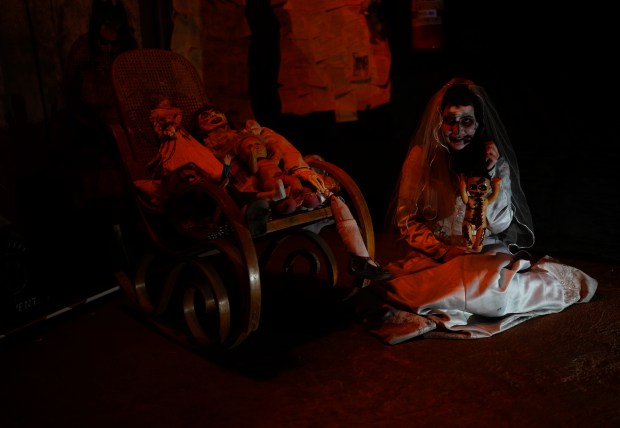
[285,191]
[178,148]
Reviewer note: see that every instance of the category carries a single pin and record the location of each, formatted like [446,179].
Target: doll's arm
[224,180]
[497,187]
[253,161]
[309,175]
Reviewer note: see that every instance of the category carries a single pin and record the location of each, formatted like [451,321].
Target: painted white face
[459,126]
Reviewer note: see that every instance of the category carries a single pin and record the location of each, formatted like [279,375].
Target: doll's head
[209,118]
[166,120]
[250,146]
[478,178]
[478,186]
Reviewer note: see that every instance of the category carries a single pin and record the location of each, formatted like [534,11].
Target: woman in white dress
[440,287]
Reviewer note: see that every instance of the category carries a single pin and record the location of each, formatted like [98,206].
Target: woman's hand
[491,154]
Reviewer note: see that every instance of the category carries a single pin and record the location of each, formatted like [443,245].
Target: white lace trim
[569,277]
[571,283]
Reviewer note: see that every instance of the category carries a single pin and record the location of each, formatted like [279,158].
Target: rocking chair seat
[198,272]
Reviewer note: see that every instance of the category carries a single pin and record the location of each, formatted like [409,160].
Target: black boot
[365,267]
[256,214]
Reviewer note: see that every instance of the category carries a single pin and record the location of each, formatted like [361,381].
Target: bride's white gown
[477,295]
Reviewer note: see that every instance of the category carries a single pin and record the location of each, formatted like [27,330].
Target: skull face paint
[458,126]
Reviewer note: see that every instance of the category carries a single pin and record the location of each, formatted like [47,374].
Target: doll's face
[478,186]
[251,147]
[458,126]
[211,119]
[166,122]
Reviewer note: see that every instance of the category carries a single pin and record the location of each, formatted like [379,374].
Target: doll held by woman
[440,288]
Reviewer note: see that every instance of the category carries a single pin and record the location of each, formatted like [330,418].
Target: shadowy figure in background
[94,171]
[88,83]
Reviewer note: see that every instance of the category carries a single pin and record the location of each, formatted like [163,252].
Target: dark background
[548,68]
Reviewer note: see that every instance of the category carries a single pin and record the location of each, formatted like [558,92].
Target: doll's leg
[467,234]
[256,214]
[361,264]
[480,234]
[347,228]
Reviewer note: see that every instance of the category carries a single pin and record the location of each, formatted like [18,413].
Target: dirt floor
[101,365]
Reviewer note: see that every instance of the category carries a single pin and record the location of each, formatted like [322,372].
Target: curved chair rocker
[206,292]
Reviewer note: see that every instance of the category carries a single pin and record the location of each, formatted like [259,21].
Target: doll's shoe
[367,268]
[257,213]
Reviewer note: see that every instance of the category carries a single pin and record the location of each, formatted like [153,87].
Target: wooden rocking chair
[208,292]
